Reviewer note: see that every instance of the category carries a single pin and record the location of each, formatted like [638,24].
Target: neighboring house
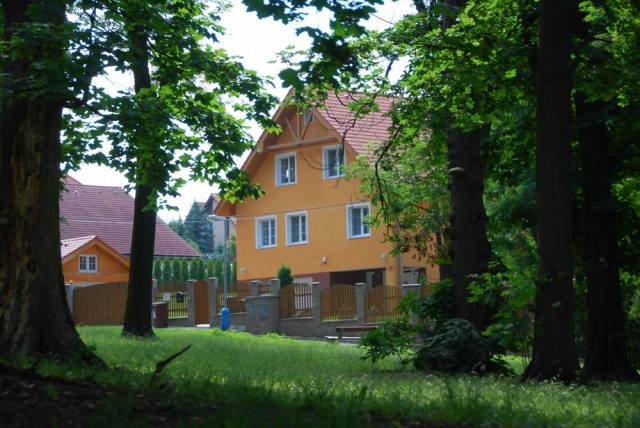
[208,208]
[107,212]
[312,217]
[89,260]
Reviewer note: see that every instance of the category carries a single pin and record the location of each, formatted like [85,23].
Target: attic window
[88,264]
[308,116]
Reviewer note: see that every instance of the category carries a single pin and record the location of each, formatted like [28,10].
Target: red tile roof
[107,212]
[372,128]
[68,246]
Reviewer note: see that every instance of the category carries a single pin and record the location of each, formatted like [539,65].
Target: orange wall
[325,202]
[110,269]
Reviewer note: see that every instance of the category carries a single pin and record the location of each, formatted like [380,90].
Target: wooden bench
[350,328]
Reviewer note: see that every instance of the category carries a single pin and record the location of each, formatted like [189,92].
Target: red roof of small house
[107,212]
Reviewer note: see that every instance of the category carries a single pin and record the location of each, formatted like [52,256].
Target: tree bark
[137,320]
[469,247]
[554,348]
[606,339]
[34,317]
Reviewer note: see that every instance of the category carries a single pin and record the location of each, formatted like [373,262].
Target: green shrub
[393,338]
[457,347]
[284,275]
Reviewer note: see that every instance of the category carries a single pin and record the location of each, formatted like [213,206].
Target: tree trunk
[469,247]
[606,339]
[34,316]
[554,348]
[137,320]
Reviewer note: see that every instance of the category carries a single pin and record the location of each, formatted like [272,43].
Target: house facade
[312,216]
[89,260]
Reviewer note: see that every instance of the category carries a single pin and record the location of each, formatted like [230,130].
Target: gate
[100,304]
[202,302]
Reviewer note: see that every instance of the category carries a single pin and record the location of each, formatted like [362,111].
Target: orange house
[89,260]
[312,216]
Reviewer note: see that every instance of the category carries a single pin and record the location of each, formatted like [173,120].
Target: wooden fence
[265,288]
[296,301]
[176,294]
[338,302]
[236,297]
[202,302]
[381,304]
[100,304]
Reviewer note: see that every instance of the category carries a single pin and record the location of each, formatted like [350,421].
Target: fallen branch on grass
[163,363]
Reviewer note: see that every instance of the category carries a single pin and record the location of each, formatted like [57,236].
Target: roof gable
[69,248]
[339,120]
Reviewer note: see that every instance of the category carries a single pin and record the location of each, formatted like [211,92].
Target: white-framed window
[308,116]
[266,232]
[297,228]
[88,263]
[333,163]
[285,169]
[357,226]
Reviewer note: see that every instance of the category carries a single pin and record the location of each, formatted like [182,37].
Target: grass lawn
[277,381]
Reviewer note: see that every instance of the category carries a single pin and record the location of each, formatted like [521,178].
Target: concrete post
[68,289]
[213,301]
[254,288]
[154,289]
[315,300]
[407,289]
[191,302]
[361,294]
[275,287]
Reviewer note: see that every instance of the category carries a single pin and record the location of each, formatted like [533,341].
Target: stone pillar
[254,288]
[68,289]
[154,289]
[213,301]
[315,300]
[413,289]
[361,293]
[191,302]
[274,285]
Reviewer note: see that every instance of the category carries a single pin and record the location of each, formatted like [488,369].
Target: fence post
[274,285]
[316,302]
[191,302]
[68,289]
[254,288]
[213,301]
[361,294]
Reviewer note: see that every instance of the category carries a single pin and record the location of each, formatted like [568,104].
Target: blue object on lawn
[225,318]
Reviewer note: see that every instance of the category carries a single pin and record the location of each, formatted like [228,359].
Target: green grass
[290,382]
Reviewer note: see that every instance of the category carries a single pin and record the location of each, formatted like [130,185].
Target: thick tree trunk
[606,339]
[469,247]
[137,320]
[34,316]
[554,348]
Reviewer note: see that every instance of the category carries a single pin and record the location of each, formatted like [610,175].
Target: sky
[257,42]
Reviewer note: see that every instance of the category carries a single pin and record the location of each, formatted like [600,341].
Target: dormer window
[333,161]
[308,116]
[285,169]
